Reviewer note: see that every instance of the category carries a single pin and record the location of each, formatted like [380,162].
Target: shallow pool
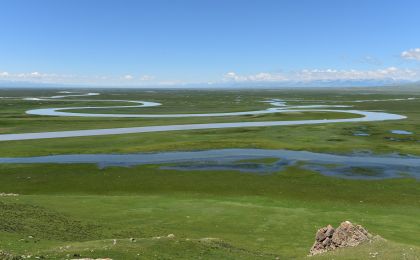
[401,132]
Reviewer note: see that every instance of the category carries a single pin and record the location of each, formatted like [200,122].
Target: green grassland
[14,119]
[272,215]
[67,211]
[333,138]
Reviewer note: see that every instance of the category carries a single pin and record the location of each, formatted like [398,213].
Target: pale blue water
[361,134]
[353,166]
[401,132]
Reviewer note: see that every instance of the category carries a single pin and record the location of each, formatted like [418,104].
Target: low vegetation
[75,211]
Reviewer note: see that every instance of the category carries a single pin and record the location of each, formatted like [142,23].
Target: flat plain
[145,211]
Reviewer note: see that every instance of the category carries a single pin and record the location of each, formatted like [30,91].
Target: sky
[208,42]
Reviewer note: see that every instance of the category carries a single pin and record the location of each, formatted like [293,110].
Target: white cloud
[142,78]
[231,75]
[31,76]
[94,80]
[259,77]
[4,74]
[308,75]
[147,78]
[128,77]
[35,74]
[38,77]
[379,74]
[412,54]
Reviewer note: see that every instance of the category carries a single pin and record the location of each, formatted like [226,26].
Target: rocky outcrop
[346,235]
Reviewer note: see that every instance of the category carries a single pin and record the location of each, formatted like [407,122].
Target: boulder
[346,235]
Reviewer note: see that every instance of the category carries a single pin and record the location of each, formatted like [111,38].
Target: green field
[74,211]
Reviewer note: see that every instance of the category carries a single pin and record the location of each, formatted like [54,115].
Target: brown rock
[346,235]
[320,235]
[330,231]
[326,242]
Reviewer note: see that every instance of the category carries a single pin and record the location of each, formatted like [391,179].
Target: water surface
[401,132]
[352,166]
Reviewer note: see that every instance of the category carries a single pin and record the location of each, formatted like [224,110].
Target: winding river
[278,106]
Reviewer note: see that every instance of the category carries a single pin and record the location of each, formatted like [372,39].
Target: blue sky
[175,42]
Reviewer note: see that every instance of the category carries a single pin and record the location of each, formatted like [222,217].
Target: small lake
[255,161]
[359,133]
[401,132]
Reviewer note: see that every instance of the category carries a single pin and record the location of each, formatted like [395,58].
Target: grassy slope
[264,215]
[378,249]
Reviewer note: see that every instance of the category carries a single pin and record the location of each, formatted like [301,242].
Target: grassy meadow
[144,212]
